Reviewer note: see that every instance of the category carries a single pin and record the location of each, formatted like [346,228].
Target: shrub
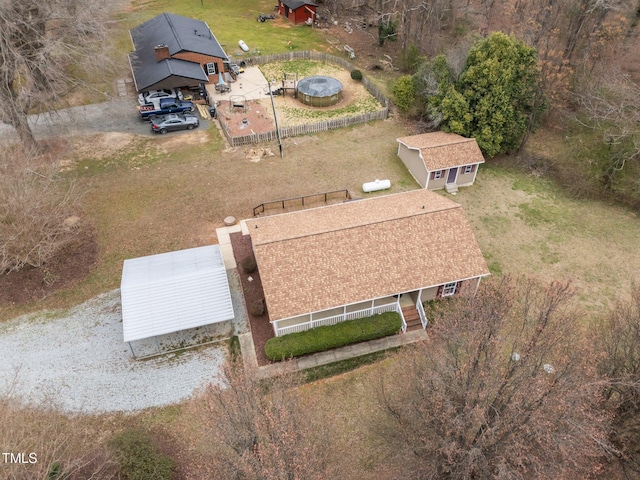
[356,75]
[404,92]
[249,264]
[256,307]
[138,457]
[410,59]
[36,204]
[325,338]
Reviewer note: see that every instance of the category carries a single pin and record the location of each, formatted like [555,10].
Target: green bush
[356,75]
[256,307]
[410,59]
[249,264]
[325,338]
[138,457]
[404,92]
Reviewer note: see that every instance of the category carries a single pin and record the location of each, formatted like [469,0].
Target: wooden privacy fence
[309,128]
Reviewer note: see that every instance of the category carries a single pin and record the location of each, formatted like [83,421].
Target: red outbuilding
[298,11]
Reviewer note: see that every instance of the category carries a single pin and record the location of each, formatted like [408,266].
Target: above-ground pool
[319,91]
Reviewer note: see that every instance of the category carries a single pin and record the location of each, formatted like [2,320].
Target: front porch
[401,304]
[409,305]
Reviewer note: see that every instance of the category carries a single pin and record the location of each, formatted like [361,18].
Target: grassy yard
[527,225]
[152,195]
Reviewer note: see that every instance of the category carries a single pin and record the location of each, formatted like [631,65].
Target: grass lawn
[527,225]
[152,195]
[231,21]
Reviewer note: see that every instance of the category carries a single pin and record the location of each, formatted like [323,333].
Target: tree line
[515,382]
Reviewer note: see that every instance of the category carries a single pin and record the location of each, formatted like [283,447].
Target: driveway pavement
[116,115]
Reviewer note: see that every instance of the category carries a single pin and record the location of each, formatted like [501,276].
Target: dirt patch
[250,118]
[261,329]
[71,265]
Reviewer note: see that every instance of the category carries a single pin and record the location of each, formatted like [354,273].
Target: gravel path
[80,362]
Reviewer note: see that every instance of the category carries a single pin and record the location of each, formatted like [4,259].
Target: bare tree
[499,391]
[257,429]
[610,106]
[43,50]
[38,209]
[619,338]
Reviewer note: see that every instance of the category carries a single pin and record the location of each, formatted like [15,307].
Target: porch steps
[412,318]
[451,188]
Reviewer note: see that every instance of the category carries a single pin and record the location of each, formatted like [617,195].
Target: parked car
[165,106]
[174,121]
[234,68]
[152,95]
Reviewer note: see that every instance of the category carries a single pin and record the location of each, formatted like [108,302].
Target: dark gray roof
[149,74]
[295,4]
[180,34]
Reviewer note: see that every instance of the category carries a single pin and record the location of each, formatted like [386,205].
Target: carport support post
[275,117]
[132,352]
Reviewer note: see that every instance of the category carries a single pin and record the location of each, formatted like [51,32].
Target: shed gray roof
[174,291]
[180,34]
[295,4]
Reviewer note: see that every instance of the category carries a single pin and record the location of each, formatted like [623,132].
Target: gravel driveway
[80,362]
[116,115]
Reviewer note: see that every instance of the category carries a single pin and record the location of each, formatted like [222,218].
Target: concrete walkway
[324,358]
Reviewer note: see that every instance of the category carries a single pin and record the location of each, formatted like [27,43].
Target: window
[449,289]
[438,174]
[468,168]
[212,68]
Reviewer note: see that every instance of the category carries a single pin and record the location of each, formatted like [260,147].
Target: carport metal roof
[174,291]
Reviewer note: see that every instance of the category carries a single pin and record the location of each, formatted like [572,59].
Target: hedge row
[325,338]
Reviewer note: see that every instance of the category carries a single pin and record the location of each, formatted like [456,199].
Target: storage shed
[441,160]
[298,11]
[174,291]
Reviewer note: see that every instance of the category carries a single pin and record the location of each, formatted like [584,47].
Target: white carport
[174,291]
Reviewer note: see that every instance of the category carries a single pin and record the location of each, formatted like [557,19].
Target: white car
[153,96]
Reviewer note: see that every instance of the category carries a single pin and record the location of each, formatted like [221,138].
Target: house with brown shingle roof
[441,160]
[340,262]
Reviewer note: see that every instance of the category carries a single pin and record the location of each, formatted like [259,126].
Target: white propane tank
[375,186]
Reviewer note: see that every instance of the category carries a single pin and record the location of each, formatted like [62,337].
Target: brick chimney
[162,52]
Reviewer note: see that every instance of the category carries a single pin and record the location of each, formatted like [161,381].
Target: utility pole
[275,116]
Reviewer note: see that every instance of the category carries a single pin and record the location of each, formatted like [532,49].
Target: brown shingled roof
[330,256]
[440,150]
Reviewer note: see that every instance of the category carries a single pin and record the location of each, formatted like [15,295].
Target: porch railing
[423,316]
[366,312]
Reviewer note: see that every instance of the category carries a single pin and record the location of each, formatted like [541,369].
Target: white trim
[215,69]
[449,289]
[335,319]
[475,172]
[377,298]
